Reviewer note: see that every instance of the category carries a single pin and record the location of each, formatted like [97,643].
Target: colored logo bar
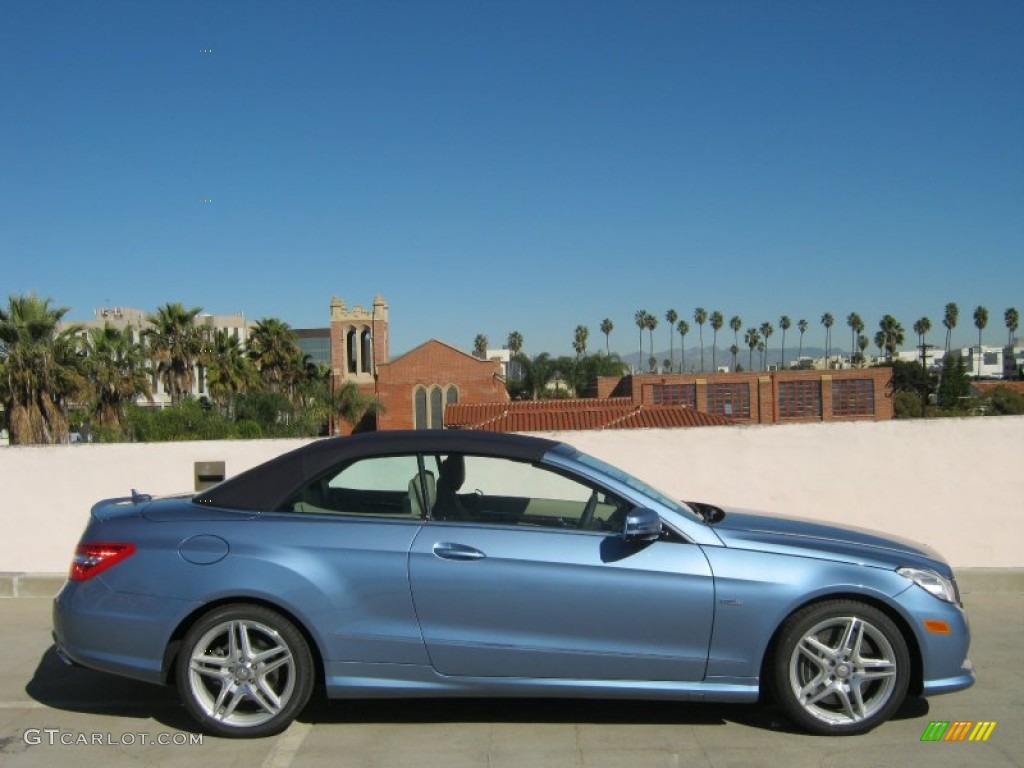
[958,730]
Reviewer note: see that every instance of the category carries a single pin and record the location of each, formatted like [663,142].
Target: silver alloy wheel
[241,673]
[843,670]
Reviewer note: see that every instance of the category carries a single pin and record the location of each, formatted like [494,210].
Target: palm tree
[766,331]
[880,342]
[827,320]
[735,323]
[41,370]
[980,321]
[229,371]
[921,327]
[652,323]
[700,316]
[670,317]
[1011,318]
[801,325]
[175,343]
[480,346]
[590,368]
[751,338]
[717,321]
[856,326]
[352,404]
[117,369]
[579,341]
[514,342]
[949,321]
[862,345]
[299,377]
[640,318]
[785,324]
[892,335]
[607,326]
[734,349]
[538,374]
[683,328]
[274,349]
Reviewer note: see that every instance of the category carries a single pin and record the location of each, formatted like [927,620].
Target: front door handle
[448,551]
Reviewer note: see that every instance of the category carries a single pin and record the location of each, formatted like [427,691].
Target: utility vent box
[208,473]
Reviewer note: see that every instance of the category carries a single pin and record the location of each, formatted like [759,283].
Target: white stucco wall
[956,484]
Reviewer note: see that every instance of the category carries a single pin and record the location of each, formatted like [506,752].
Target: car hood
[810,538]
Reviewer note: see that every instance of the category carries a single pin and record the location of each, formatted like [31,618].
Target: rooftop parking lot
[50,712]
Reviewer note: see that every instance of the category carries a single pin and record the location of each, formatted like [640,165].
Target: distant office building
[315,342]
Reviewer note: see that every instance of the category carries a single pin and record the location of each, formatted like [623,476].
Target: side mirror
[642,524]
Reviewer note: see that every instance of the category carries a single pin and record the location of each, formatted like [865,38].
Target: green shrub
[247,429]
[1006,402]
[906,405]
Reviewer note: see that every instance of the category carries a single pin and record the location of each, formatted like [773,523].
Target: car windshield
[632,482]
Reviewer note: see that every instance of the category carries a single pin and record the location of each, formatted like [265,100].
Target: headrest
[453,470]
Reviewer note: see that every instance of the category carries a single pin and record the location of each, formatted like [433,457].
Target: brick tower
[359,342]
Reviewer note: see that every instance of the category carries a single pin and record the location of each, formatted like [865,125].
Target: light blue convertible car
[428,564]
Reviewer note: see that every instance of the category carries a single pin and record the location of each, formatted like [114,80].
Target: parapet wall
[956,484]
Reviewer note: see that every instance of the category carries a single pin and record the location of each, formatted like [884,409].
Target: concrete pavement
[43,703]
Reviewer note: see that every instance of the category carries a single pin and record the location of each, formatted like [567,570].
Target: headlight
[932,582]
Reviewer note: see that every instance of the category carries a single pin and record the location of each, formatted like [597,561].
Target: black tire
[244,671]
[840,667]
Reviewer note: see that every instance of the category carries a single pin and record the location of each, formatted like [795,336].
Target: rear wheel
[840,667]
[244,671]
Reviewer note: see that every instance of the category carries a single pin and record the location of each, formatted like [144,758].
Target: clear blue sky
[528,164]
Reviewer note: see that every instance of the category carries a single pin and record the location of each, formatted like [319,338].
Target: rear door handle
[449,551]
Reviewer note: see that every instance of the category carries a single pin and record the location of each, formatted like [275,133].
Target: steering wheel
[588,512]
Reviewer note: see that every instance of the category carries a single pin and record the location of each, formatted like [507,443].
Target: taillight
[91,559]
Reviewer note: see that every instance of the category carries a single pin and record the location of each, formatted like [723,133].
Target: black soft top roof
[265,486]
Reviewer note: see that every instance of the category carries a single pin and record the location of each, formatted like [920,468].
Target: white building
[994,363]
[1013,359]
[135,320]
[987,364]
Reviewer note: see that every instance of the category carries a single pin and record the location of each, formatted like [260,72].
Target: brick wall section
[763,391]
[614,386]
[434,362]
[766,410]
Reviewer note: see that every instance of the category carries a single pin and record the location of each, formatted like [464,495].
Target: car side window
[382,487]
[485,489]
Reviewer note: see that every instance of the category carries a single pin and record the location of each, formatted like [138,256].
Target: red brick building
[777,397]
[414,388]
[436,385]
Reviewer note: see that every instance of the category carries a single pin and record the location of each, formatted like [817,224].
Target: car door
[345,534]
[526,582]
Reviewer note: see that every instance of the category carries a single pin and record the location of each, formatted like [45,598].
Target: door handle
[448,551]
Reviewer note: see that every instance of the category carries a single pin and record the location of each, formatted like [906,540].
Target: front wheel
[841,667]
[244,671]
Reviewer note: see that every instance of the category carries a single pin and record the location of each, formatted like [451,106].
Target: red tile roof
[580,414]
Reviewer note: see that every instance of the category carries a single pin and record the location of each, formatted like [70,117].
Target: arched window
[364,338]
[436,408]
[350,349]
[419,407]
[451,395]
